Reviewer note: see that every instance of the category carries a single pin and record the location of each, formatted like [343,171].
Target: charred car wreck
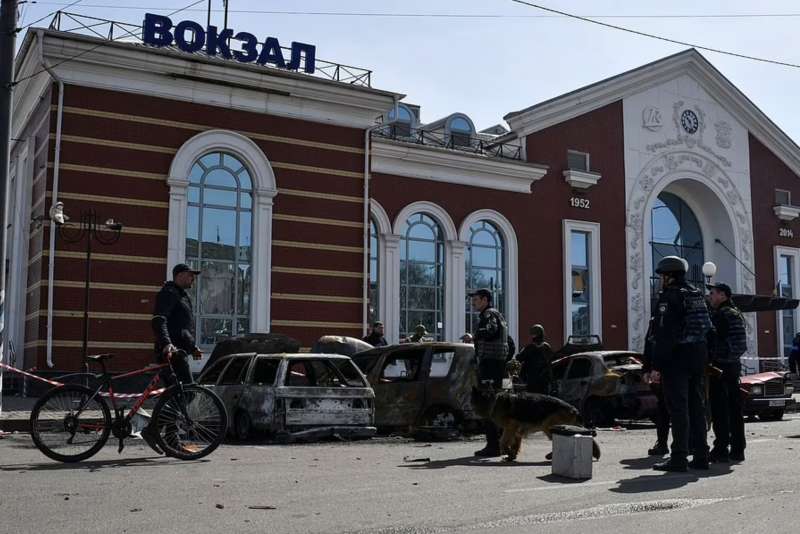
[293,397]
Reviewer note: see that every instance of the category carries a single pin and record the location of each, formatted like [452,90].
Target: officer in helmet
[679,354]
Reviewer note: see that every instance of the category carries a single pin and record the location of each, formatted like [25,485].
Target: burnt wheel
[438,423]
[771,416]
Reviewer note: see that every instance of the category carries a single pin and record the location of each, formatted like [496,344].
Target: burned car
[605,386]
[422,388]
[294,397]
[766,395]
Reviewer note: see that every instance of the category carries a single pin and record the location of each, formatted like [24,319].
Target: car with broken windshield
[293,397]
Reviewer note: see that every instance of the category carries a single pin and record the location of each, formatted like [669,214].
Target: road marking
[564,486]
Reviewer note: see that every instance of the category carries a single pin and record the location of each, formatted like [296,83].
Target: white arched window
[460,131]
[402,120]
[373,292]
[220,217]
[485,267]
[422,275]
[219,231]
[490,261]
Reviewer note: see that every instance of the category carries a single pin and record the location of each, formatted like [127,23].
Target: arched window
[374,260]
[219,241]
[460,132]
[402,121]
[422,272]
[485,267]
[676,232]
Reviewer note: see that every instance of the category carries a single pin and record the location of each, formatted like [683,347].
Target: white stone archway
[721,212]
[264,190]
[511,255]
[453,266]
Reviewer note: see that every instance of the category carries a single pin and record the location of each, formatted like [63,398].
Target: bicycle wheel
[191,424]
[65,435]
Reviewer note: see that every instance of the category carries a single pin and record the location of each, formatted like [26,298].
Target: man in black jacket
[536,358]
[727,344]
[680,354]
[375,338]
[173,322]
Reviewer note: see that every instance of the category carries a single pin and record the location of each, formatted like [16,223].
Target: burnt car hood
[761,378]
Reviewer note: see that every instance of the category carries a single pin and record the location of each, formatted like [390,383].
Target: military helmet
[672,264]
[420,330]
[537,330]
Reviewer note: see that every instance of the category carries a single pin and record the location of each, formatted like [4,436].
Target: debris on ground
[421,460]
[262,508]
[220,507]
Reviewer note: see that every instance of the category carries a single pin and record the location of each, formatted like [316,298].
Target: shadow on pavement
[470,461]
[641,463]
[668,481]
[98,465]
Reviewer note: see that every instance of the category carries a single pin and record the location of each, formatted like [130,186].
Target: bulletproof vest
[697,321]
[737,333]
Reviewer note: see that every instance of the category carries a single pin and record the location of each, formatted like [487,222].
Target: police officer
[661,417]
[727,343]
[535,359]
[491,349]
[680,352]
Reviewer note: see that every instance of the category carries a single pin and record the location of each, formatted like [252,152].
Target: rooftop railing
[111,30]
[452,141]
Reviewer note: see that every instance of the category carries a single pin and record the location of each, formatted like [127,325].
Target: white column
[455,290]
[390,287]
[176,237]
[261,290]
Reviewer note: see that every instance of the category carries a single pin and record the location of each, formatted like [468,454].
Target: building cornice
[690,62]
[451,166]
[171,74]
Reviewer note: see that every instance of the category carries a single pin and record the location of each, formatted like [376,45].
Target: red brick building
[260,176]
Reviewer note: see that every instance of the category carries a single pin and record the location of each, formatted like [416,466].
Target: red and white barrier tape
[55,383]
[31,375]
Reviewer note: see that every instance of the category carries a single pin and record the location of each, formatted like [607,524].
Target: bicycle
[71,423]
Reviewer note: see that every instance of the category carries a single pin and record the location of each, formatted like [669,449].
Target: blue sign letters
[189,36]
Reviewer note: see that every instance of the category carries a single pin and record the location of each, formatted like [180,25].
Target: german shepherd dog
[520,414]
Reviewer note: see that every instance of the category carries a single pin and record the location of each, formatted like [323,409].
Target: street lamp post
[91,229]
[709,271]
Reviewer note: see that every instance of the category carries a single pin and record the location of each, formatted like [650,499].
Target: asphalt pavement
[393,486]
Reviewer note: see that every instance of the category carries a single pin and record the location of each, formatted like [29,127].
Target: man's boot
[672,466]
[699,463]
[492,448]
[719,456]
[659,449]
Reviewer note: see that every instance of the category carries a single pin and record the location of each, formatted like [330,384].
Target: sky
[510,57]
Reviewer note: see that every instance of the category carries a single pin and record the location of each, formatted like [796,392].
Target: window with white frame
[460,132]
[783,197]
[582,303]
[787,274]
[422,275]
[219,242]
[402,121]
[485,267]
[374,259]
[577,161]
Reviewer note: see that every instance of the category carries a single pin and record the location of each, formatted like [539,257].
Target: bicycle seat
[100,357]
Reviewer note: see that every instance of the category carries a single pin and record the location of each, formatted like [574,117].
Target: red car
[766,395]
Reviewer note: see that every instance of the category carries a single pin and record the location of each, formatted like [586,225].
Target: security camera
[57,214]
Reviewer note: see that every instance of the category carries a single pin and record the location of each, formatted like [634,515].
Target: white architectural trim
[453,265]
[595,276]
[510,259]
[385,293]
[264,190]
[17,245]
[793,253]
[581,179]
[452,166]
[616,88]
[787,213]
[169,73]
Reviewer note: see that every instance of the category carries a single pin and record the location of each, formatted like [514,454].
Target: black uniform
[727,343]
[375,339]
[491,349]
[661,418]
[680,326]
[536,371]
[173,323]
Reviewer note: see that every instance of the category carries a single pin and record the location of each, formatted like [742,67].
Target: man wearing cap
[727,343]
[491,348]
[173,321]
[535,358]
[679,353]
[375,338]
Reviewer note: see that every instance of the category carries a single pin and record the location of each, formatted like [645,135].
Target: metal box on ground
[572,452]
